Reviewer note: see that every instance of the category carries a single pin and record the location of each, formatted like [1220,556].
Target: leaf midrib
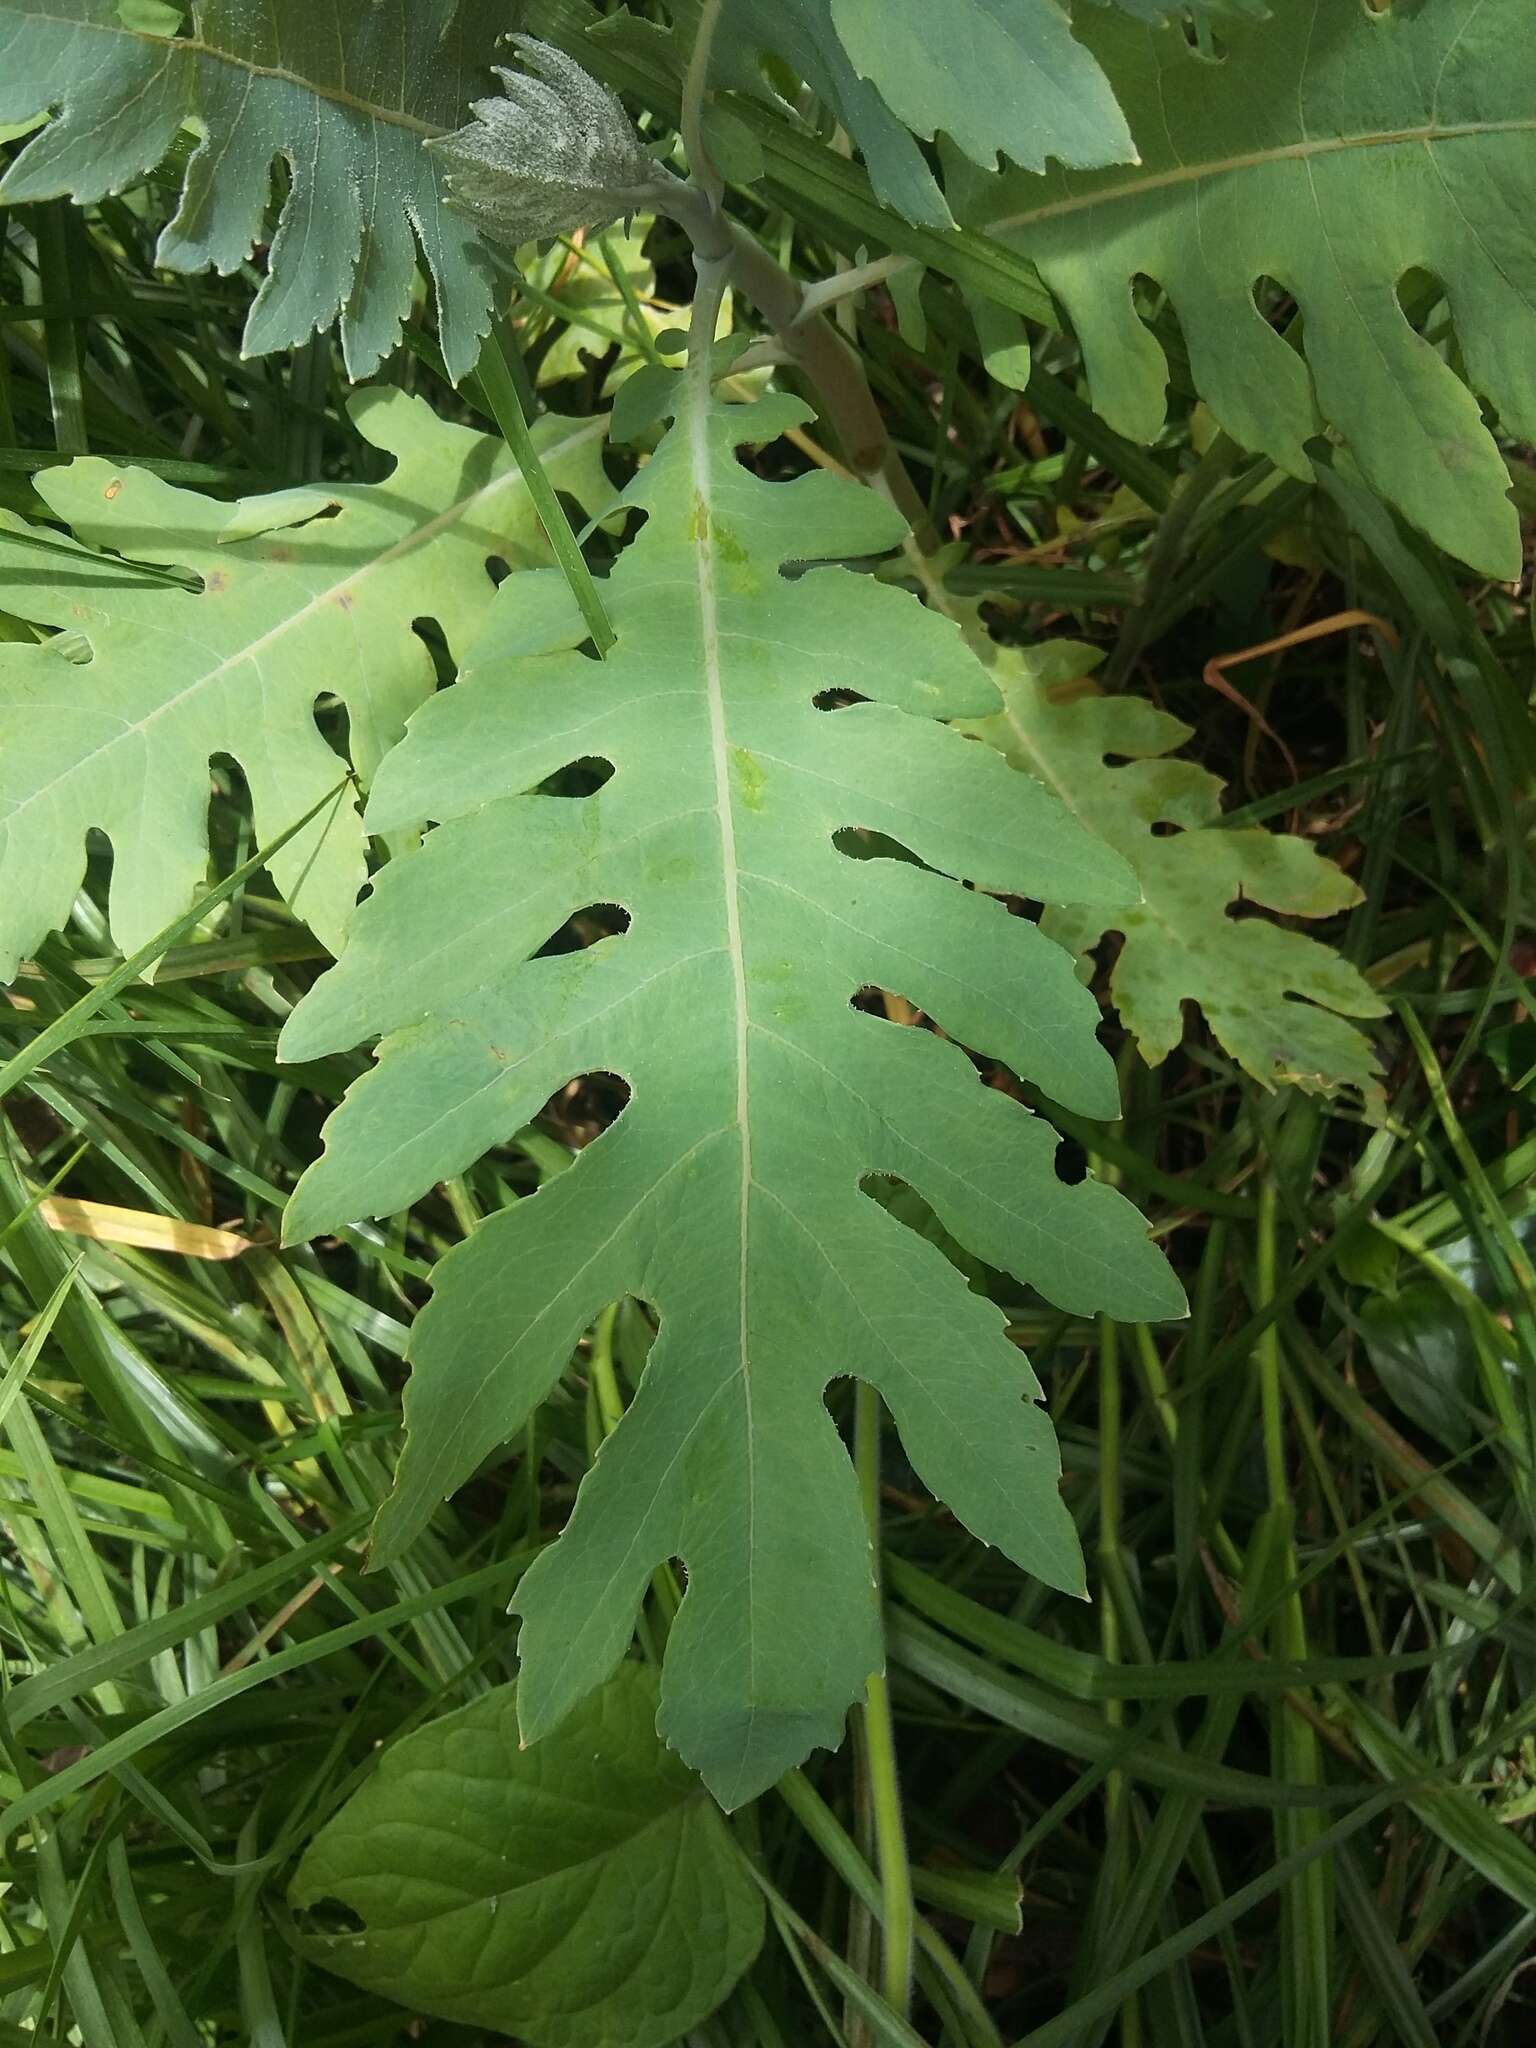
[194,46]
[699,400]
[1431,135]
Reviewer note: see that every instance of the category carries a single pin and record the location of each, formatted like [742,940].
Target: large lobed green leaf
[113,722]
[798,41]
[582,1894]
[1338,152]
[344,92]
[1268,993]
[993,75]
[728,1193]
[998,75]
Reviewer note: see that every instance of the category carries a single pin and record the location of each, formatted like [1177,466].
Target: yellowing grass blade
[141,1227]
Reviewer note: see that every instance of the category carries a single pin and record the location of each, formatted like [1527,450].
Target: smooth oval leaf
[581,1894]
[1426,1358]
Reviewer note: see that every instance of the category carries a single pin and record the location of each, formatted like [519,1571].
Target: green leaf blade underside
[298,600]
[580,1894]
[345,93]
[799,35]
[1021,83]
[1276,999]
[727,1194]
[996,76]
[1336,152]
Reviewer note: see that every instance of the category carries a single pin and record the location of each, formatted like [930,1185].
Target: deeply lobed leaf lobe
[1343,151]
[291,607]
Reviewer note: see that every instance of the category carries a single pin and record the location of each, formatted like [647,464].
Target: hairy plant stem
[695,96]
[847,284]
[493,373]
[810,343]
[876,1731]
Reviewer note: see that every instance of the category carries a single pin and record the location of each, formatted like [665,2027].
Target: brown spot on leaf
[113,488]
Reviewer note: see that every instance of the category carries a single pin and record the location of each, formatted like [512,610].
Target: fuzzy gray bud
[556,153]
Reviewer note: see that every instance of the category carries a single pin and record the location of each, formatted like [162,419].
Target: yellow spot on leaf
[747,775]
